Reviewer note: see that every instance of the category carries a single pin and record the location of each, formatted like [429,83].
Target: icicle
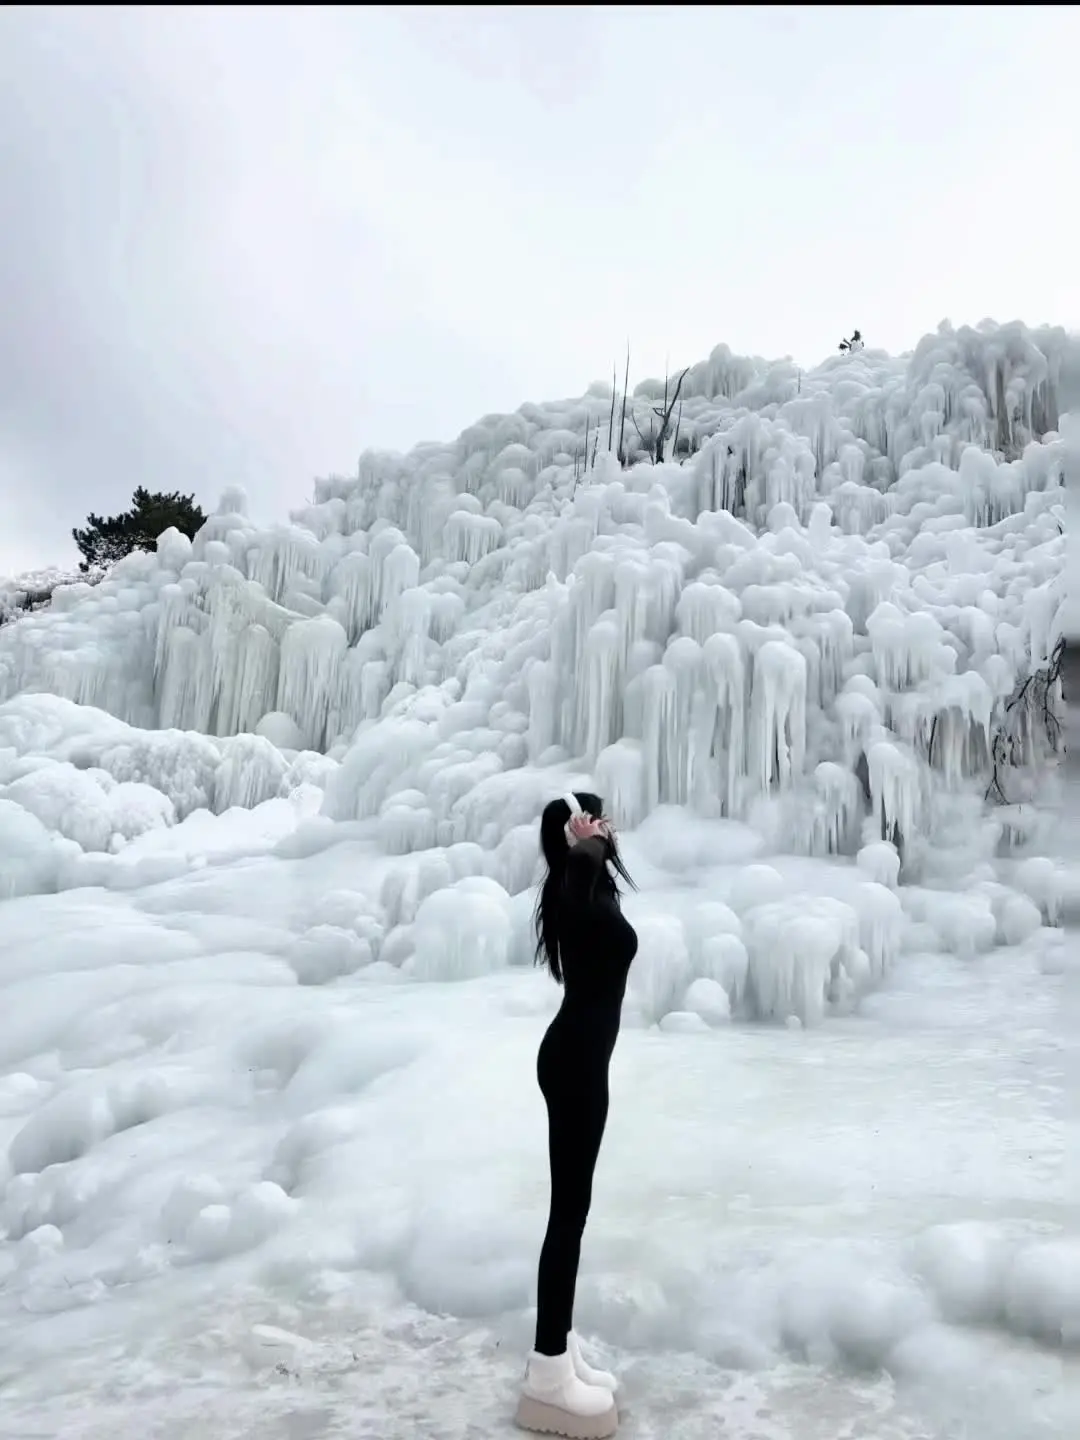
[880,922]
[231,605]
[383,758]
[839,809]
[718,727]
[397,570]
[962,727]
[795,951]
[405,827]
[250,772]
[544,704]
[599,689]
[350,584]
[590,595]
[569,543]
[514,487]
[660,740]
[428,505]
[859,714]
[705,609]
[470,537]
[408,626]
[620,778]
[311,651]
[447,611]
[253,684]
[376,683]
[184,689]
[908,649]
[281,555]
[777,714]
[683,661]
[833,636]
[895,790]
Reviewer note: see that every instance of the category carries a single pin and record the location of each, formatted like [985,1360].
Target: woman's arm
[584,863]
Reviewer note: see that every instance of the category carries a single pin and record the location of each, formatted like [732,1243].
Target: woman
[587,945]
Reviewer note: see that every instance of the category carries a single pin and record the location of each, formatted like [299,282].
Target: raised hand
[586,827]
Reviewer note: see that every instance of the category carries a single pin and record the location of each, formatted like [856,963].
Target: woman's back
[596,942]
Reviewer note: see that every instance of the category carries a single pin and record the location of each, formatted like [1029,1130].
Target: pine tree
[106,540]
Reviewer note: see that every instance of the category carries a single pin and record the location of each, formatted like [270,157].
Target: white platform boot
[554,1401]
[585,1372]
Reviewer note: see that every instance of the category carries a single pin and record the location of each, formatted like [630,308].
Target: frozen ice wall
[813,614]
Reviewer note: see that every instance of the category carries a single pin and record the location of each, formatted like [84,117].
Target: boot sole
[543,1419]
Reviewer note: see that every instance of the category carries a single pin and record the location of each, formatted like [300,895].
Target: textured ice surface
[810,1234]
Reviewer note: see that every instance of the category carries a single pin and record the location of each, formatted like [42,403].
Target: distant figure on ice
[588,946]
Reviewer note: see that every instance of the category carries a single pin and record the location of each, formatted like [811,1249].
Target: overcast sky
[241,245]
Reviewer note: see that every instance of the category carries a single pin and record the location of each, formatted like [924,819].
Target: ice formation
[810,616]
[28,592]
[268,824]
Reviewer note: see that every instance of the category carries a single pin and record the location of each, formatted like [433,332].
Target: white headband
[572,800]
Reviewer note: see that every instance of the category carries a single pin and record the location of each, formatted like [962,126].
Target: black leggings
[574,1082]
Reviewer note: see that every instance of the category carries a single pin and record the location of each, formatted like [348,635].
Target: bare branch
[665,415]
[998,759]
[641,437]
[622,418]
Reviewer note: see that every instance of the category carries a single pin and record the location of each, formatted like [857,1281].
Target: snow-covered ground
[273,1154]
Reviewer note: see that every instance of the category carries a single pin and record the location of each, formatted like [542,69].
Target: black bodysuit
[596,946]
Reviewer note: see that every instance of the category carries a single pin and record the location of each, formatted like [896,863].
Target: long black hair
[554,847]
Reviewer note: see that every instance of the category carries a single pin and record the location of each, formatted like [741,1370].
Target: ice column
[777,714]
[311,652]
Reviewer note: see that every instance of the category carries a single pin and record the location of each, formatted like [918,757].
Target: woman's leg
[576,1117]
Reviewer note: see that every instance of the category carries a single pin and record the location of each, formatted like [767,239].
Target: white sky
[241,245]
